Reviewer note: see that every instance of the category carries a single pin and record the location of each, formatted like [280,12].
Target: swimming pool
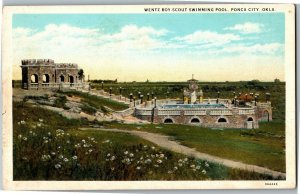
[193,106]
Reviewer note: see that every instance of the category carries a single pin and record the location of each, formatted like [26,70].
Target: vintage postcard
[149,97]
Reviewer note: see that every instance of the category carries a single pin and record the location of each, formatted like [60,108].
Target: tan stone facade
[45,74]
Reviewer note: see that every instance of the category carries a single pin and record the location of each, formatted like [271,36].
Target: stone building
[45,74]
[213,113]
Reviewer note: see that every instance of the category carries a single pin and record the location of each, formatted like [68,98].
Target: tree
[80,74]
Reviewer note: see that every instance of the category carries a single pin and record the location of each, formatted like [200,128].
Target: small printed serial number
[271,184]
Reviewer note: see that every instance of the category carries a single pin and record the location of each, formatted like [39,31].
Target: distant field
[47,146]
[175,89]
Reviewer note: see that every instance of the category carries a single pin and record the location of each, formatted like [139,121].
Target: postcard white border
[8,182]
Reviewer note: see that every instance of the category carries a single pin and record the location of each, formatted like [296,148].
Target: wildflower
[152,147]
[185,159]
[45,137]
[49,133]
[192,166]
[197,167]
[170,172]
[22,122]
[161,155]
[19,123]
[68,142]
[112,168]
[90,150]
[108,155]
[45,141]
[53,153]
[39,124]
[141,158]
[25,138]
[41,120]
[46,157]
[83,140]
[148,161]
[155,165]
[131,155]
[68,134]
[159,161]
[179,161]
[194,169]
[206,164]
[152,155]
[57,166]
[66,160]
[92,139]
[180,164]
[138,167]
[112,158]
[74,157]
[204,171]
[175,168]
[20,136]
[126,152]
[60,156]
[106,141]
[30,131]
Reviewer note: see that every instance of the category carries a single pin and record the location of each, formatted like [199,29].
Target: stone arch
[71,79]
[266,116]
[250,119]
[222,119]
[168,120]
[46,78]
[195,120]
[34,78]
[61,78]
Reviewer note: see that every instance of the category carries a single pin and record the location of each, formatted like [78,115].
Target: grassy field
[174,90]
[95,101]
[47,146]
[264,146]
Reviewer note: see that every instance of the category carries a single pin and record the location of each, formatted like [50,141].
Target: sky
[157,47]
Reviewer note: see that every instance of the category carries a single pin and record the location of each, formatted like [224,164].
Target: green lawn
[47,146]
[264,146]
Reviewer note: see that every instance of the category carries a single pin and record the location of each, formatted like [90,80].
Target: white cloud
[256,49]
[209,38]
[247,28]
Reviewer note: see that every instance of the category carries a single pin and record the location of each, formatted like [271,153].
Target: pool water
[193,106]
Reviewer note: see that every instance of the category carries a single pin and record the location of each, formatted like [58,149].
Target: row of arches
[196,120]
[46,78]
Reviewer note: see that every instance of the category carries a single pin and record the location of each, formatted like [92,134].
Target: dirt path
[165,142]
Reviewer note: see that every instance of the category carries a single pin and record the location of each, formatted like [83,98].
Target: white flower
[204,171]
[41,120]
[90,150]
[66,160]
[112,158]
[180,164]
[152,147]
[53,153]
[138,167]
[25,138]
[74,157]
[175,167]
[206,164]
[68,142]
[148,161]
[20,136]
[159,161]
[161,155]
[57,166]
[185,159]
[131,155]
[192,166]
[60,156]
[45,141]
[49,133]
[106,141]
[22,122]
[83,140]
[46,157]
[112,168]
[126,152]
[30,131]
[108,155]
[145,146]
[198,167]
[170,172]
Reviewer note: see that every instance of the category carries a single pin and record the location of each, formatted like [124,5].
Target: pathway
[165,142]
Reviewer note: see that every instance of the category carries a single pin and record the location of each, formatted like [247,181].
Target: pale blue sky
[255,39]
